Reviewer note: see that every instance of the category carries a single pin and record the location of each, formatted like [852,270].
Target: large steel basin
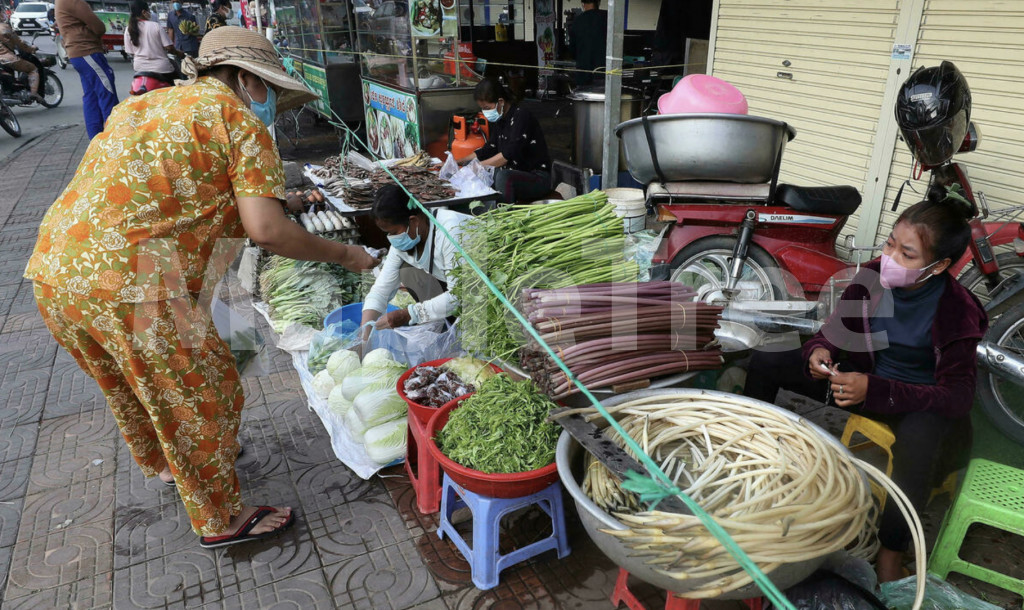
[569,457]
[712,147]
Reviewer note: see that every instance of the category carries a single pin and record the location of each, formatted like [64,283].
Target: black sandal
[243,535]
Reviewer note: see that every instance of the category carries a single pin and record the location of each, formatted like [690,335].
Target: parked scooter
[14,88]
[756,246]
[8,120]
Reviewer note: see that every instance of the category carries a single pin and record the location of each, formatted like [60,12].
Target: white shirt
[438,248]
[150,55]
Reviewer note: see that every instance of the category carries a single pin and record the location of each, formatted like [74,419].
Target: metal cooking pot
[588,112]
[713,147]
[569,457]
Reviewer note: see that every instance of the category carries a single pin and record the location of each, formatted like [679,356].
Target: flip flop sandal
[243,535]
[241,450]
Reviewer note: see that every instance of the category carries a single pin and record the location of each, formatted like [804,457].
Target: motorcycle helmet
[933,109]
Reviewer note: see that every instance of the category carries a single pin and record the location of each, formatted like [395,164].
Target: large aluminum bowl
[715,147]
[569,457]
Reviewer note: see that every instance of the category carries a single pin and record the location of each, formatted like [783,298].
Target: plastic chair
[423,470]
[485,560]
[882,435]
[622,594]
[992,494]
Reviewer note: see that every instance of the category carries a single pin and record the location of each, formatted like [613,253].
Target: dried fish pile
[328,170]
[421,182]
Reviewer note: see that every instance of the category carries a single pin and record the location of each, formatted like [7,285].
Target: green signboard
[316,78]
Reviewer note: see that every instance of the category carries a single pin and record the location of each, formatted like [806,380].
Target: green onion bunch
[567,243]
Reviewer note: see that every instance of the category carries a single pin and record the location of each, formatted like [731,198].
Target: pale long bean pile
[780,490]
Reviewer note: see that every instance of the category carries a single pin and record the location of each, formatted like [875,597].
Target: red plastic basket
[514,485]
[423,412]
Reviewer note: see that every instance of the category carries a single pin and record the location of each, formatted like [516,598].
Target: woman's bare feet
[166,476]
[889,565]
[268,523]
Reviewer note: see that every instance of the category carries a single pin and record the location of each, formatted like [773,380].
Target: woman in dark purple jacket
[900,349]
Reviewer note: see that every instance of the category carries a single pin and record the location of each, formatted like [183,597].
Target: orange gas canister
[467,61]
[466,133]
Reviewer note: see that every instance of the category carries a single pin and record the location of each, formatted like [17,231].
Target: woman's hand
[357,259]
[849,389]
[819,363]
[394,319]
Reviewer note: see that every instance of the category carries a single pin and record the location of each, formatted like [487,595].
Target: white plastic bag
[450,167]
[473,180]
[412,345]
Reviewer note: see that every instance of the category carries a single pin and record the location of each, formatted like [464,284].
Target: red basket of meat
[513,485]
[424,412]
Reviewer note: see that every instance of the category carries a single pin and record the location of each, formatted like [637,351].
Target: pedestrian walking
[82,32]
[183,29]
[123,253]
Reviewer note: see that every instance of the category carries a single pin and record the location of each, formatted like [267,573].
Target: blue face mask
[403,242]
[264,111]
[492,115]
[177,6]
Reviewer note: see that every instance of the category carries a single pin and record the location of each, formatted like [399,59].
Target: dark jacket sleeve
[487,151]
[952,395]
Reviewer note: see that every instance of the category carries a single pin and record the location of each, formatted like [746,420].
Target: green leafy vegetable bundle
[501,429]
[579,241]
[303,292]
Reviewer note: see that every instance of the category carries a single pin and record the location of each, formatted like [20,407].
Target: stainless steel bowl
[715,147]
[569,457]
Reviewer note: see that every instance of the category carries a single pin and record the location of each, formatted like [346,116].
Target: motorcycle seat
[832,200]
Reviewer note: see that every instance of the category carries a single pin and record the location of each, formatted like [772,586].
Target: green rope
[653,488]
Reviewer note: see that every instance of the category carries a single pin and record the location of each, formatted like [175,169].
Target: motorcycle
[768,252]
[14,88]
[8,120]
[144,82]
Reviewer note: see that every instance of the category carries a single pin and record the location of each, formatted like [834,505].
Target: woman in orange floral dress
[124,253]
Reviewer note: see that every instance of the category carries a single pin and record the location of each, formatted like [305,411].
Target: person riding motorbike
[10,43]
[149,44]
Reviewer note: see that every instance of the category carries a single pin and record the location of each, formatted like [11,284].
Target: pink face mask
[895,275]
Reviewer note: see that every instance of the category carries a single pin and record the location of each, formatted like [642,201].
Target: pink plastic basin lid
[703,93]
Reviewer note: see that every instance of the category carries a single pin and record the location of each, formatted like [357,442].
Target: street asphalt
[36,120]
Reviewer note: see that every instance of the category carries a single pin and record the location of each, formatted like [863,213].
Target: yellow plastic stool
[882,435]
[993,494]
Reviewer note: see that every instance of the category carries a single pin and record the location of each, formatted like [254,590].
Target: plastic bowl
[352,312]
[514,485]
[701,93]
[423,412]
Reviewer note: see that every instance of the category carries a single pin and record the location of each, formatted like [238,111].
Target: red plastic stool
[422,468]
[622,594]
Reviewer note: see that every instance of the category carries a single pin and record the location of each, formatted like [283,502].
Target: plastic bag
[244,340]
[641,247]
[412,345]
[450,167]
[473,180]
[343,335]
[938,595]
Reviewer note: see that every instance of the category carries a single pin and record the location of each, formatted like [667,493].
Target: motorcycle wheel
[1002,399]
[704,265]
[53,94]
[9,121]
[973,280]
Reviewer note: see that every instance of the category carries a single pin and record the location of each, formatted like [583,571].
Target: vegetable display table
[423,470]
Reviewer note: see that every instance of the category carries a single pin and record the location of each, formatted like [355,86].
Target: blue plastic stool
[484,559]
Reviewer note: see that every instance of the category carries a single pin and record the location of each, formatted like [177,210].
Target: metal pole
[613,92]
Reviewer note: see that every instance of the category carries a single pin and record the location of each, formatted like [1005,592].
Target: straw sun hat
[235,46]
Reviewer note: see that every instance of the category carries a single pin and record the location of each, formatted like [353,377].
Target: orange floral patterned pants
[172,384]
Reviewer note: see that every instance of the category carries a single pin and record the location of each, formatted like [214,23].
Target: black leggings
[928,446]
[513,185]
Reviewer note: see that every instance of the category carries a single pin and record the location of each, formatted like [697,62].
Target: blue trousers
[98,94]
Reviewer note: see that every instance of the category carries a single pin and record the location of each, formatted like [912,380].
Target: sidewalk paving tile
[14,478]
[71,391]
[143,534]
[306,591]
[391,577]
[358,527]
[22,395]
[330,484]
[75,505]
[60,558]
[92,593]
[133,489]
[18,442]
[72,464]
[10,517]
[252,565]
[183,580]
[83,428]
